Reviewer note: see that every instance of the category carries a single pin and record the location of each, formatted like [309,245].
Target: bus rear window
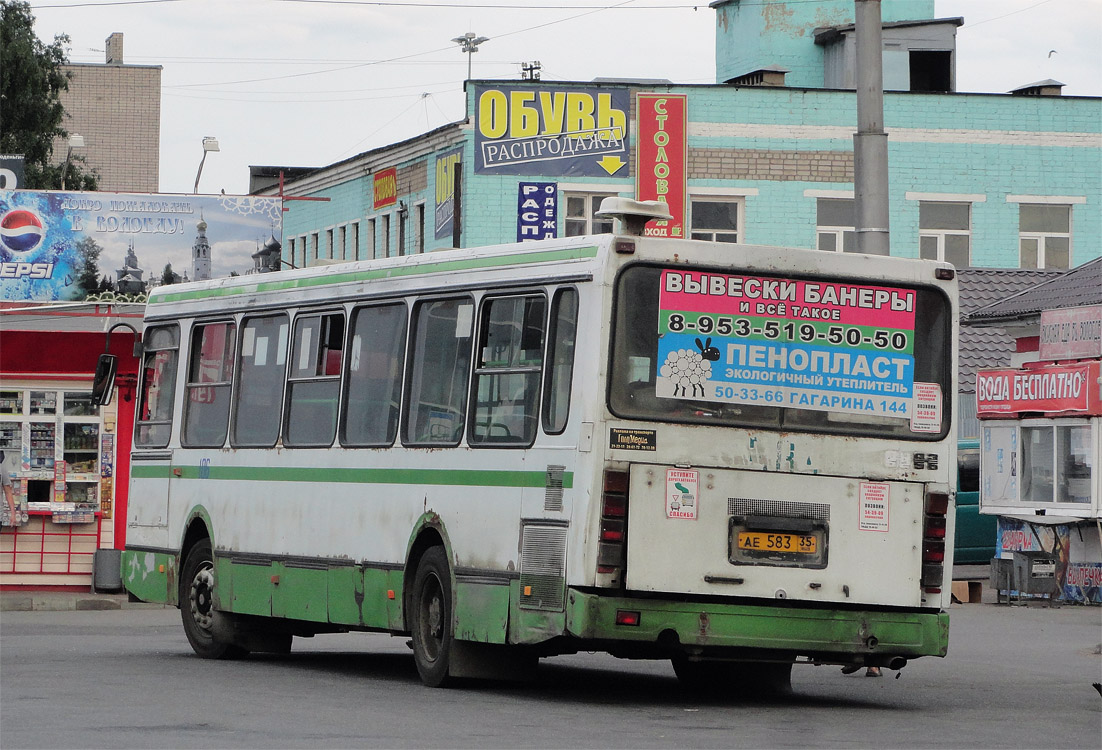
[859,357]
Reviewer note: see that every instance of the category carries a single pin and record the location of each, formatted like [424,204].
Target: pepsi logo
[21,230]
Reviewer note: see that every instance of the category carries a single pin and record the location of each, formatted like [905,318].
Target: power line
[1011,13]
[151,59]
[239,100]
[401,57]
[413,4]
[316,72]
[457,6]
[417,86]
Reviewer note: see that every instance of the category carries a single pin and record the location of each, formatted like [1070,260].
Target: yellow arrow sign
[611,164]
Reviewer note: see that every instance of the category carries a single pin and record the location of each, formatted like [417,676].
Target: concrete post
[870,143]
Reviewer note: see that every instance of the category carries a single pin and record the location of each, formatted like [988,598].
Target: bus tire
[196,605]
[431,618]
[741,678]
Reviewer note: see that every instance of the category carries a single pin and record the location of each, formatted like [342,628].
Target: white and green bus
[734,457]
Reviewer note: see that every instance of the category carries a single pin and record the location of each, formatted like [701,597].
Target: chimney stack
[1047,87]
[114,48]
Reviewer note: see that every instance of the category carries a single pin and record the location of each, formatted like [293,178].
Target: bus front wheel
[196,605]
[431,618]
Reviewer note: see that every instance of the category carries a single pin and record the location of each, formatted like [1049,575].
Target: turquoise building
[763,156]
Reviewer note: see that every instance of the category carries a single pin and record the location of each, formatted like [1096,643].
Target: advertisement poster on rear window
[786,342]
[62,246]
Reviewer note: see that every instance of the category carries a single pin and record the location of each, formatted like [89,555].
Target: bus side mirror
[104,383]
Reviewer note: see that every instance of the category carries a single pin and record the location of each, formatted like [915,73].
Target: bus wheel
[431,616]
[196,610]
[742,678]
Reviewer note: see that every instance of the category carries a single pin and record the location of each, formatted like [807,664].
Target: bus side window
[256,410]
[313,386]
[440,360]
[154,423]
[507,372]
[561,341]
[210,372]
[373,388]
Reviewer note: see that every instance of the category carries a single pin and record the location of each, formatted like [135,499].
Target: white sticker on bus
[261,357]
[464,320]
[874,506]
[281,346]
[926,408]
[304,353]
[682,493]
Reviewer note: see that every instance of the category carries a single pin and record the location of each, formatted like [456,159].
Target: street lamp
[469,44]
[75,141]
[209,144]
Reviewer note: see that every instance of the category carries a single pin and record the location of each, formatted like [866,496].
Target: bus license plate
[763,541]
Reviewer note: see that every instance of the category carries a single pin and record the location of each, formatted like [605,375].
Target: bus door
[151,460]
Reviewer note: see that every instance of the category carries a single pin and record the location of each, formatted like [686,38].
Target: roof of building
[1039,84]
[86,317]
[828,34]
[984,348]
[1075,288]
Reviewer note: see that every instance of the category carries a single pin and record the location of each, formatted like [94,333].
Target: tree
[88,276]
[168,276]
[31,81]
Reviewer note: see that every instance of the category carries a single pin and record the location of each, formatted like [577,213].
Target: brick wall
[764,164]
[780,147]
[117,108]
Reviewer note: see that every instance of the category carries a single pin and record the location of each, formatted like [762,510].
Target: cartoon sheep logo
[689,370]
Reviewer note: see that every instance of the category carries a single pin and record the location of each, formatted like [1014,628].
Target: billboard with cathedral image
[69,246]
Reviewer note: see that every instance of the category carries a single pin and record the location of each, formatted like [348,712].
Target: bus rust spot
[358,595]
[705,624]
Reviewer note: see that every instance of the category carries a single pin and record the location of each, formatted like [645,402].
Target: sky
[312,82]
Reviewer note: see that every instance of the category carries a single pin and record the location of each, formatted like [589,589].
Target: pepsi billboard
[62,246]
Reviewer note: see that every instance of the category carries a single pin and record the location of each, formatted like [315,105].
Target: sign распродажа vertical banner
[537,211]
[787,342]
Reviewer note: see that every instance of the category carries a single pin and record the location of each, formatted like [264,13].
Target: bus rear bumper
[873,636]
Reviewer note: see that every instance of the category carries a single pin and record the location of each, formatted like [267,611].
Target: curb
[43,601]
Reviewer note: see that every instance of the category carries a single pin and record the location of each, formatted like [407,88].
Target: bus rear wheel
[431,618]
[196,605]
[738,677]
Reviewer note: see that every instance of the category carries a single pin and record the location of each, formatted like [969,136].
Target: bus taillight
[610,546]
[933,542]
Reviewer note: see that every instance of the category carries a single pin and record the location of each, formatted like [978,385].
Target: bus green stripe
[544,256]
[453,477]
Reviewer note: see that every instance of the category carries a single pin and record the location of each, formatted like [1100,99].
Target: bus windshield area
[851,356]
